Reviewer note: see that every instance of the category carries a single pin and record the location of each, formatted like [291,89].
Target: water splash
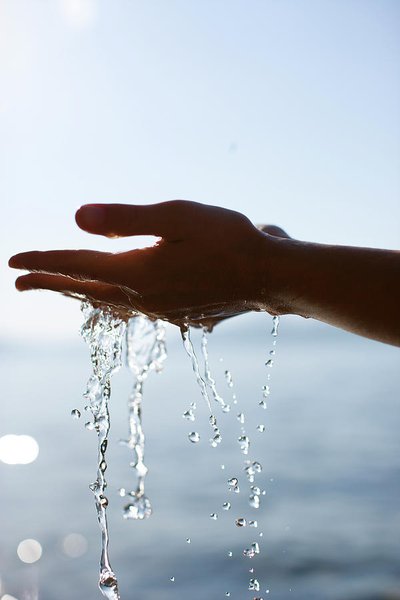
[103,332]
[145,352]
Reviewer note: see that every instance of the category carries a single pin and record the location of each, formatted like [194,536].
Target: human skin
[211,263]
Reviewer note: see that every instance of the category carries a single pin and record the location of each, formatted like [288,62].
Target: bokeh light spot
[18,449]
[29,551]
[74,545]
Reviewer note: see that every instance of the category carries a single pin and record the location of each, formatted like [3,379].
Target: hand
[205,267]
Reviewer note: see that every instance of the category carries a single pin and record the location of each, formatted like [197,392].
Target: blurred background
[288,112]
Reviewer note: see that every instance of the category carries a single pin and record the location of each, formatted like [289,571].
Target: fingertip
[21,285]
[91,217]
[15,262]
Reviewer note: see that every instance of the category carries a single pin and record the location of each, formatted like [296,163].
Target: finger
[95,292]
[79,264]
[169,220]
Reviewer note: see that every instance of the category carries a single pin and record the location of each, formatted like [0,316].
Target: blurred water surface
[331,470]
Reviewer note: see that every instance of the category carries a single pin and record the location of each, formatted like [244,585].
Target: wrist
[280,275]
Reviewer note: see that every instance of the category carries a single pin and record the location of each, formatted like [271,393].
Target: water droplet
[226,408]
[240,417]
[269,363]
[227,594]
[261,534]
[194,437]
[122,492]
[275,326]
[216,440]
[254,585]
[214,516]
[256,490]
[255,547]
[241,522]
[75,413]
[189,415]
[263,404]
[223,467]
[228,378]
[244,443]
[188,540]
[249,552]
[251,570]
[89,426]
[172,579]
[261,428]
[139,509]
[253,523]
[257,466]
[230,553]
[226,505]
[272,352]
[254,501]
[233,482]
[213,421]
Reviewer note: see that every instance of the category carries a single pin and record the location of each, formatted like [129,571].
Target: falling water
[103,332]
[145,352]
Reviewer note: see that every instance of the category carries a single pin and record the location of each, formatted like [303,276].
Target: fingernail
[91,216]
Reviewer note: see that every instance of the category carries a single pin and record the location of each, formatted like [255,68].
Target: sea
[328,524]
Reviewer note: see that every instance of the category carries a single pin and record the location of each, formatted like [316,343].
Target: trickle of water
[103,332]
[194,437]
[145,352]
[75,413]
[209,379]
[187,344]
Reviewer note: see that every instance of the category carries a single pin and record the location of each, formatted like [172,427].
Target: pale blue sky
[285,110]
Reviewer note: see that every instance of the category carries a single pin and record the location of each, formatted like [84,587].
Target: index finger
[169,220]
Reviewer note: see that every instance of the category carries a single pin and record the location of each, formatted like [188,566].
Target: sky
[287,111]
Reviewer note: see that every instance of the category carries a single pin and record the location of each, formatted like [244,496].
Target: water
[145,352]
[103,332]
[330,458]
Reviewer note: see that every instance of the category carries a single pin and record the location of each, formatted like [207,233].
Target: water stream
[145,352]
[103,332]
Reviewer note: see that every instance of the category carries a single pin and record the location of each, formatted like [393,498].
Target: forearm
[357,289]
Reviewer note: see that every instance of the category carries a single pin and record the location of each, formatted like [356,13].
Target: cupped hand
[205,266]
